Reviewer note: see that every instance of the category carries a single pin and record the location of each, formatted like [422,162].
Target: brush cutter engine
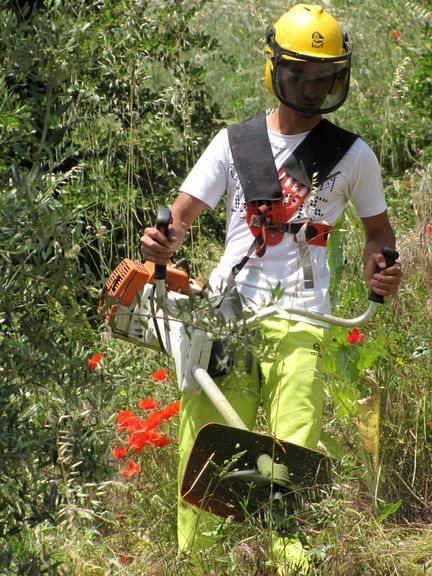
[135,313]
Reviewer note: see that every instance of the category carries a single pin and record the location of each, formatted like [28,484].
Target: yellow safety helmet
[308,60]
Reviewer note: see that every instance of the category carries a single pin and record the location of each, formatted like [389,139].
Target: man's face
[306,86]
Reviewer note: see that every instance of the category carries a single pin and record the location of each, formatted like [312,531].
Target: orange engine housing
[129,277]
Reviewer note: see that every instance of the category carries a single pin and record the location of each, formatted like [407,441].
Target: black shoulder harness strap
[318,153]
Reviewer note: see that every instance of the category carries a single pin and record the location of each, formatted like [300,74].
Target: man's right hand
[156,247]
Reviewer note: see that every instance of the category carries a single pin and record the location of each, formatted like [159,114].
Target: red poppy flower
[148,404]
[137,440]
[132,425]
[123,416]
[159,375]
[430,228]
[355,336]
[155,418]
[131,468]
[396,34]
[94,361]
[146,437]
[119,452]
[126,419]
[160,441]
[172,408]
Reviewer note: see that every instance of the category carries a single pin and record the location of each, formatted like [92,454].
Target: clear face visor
[308,84]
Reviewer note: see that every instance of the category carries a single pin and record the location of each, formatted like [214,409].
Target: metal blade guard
[222,478]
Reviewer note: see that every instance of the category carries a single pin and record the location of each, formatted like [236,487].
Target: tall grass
[104,107]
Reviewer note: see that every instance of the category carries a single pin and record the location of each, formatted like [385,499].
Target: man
[284,233]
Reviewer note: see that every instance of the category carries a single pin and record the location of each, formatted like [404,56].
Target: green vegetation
[104,107]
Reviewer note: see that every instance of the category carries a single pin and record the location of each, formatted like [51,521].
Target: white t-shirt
[356,177]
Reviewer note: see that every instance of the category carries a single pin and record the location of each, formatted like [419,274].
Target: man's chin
[306,114]
[307,109]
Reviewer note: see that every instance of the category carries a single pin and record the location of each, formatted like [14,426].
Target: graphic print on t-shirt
[306,205]
[293,193]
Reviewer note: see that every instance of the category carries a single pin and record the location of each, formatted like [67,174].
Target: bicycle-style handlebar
[390,256]
[163,220]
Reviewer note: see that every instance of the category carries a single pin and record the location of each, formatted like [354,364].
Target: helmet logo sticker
[317,40]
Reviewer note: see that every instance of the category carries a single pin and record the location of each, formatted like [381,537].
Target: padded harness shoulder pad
[312,160]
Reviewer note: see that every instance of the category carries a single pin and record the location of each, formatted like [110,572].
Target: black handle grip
[390,256]
[163,219]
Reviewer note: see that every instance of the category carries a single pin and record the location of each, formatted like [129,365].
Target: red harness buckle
[317,233]
[267,220]
[261,217]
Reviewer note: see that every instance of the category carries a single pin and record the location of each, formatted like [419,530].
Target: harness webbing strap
[311,233]
[305,258]
[251,153]
[310,164]
[318,153]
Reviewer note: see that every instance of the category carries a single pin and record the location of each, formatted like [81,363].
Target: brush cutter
[231,471]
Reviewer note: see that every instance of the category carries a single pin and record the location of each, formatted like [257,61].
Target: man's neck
[286,121]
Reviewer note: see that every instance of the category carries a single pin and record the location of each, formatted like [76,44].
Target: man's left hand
[386,281]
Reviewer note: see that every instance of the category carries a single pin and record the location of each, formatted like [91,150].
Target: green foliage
[419,84]
[389,38]
[102,111]
[104,107]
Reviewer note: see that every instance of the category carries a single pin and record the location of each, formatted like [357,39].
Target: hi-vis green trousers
[289,385]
